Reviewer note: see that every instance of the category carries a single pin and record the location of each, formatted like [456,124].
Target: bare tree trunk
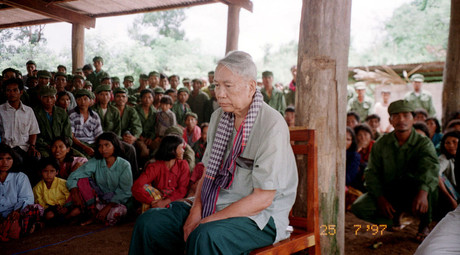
[451,91]
[78,46]
[321,105]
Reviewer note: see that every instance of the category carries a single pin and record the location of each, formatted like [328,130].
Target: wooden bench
[306,228]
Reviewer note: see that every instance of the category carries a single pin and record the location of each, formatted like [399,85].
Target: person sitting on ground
[107,176]
[78,83]
[199,147]
[353,160]
[17,208]
[147,115]
[61,84]
[189,154]
[86,124]
[64,154]
[165,118]
[246,196]
[167,177]
[420,115]
[109,114]
[53,121]
[373,121]
[364,140]
[180,107]
[435,131]
[192,132]
[402,174]
[52,193]
[131,126]
[422,128]
[449,190]
[352,119]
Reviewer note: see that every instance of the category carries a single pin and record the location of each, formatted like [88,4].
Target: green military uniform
[148,122]
[95,78]
[363,109]
[395,171]
[276,101]
[51,127]
[422,100]
[111,121]
[180,112]
[131,122]
[197,103]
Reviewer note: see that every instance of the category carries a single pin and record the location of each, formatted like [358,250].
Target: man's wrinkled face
[402,121]
[78,83]
[234,93]
[361,92]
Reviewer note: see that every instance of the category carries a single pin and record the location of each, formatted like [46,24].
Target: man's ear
[252,86]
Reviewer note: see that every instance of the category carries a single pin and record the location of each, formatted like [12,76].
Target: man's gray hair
[241,63]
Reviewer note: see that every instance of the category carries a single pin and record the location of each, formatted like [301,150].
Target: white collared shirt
[17,125]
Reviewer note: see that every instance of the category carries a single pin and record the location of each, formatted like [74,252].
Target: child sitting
[192,132]
[200,146]
[51,192]
[165,117]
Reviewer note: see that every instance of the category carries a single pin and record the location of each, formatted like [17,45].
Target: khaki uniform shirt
[422,100]
[362,109]
[276,101]
[111,121]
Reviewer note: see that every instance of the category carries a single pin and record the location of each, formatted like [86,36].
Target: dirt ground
[98,239]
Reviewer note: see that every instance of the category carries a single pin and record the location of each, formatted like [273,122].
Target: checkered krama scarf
[219,174]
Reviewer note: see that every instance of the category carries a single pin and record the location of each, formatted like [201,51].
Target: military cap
[84,92]
[267,74]
[60,74]
[79,70]
[191,114]
[115,79]
[120,90]
[61,66]
[88,83]
[159,90]
[47,91]
[183,89]
[98,58]
[360,85]
[143,77]
[386,90]
[43,74]
[185,80]
[174,130]
[77,76]
[211,73]
[400,106]
[87,67]
[417,77]
[105,77]
[101,88]
[31,62]
[212,86]
[128,78]
[198,80]
[154,73]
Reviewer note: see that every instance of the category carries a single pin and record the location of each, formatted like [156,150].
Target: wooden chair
[306,228]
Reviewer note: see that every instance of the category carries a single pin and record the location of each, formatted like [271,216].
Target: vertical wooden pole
[451,91]
[321,105]
[78,46]
[233,27]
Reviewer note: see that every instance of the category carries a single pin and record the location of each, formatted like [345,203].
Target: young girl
[62,152]
[51,192]
[192,133]
[63,100]
[353,178]
[17,208]
[102,186]
[449,195]
[165,118]
[169,176]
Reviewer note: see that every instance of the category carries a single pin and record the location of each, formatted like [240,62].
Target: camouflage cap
[43,74]
[77,76]
[128,78]
[417,77]
[47,91]
[183,89]
[159,90]
[101,88]
[400,106]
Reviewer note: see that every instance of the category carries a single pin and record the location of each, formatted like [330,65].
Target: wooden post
[321,100]
[78,46]
[451,91]
[233,27]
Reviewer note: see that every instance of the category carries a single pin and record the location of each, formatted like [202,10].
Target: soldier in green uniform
[180,107]
[361,104]
[154,79]
[402,174]
[272,96]
[420,98]
[147,115]
[34,93]
[95,77]
[53,121]
[197,100]
[131,126]
[128,82]
[109,114]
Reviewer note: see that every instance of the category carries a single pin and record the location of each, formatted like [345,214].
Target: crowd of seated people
[406,166]
[86,147]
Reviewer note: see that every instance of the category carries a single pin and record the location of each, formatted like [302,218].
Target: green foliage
[417,32]
[279,61]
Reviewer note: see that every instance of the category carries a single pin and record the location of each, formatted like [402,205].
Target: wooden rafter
[246,4]
[53,11]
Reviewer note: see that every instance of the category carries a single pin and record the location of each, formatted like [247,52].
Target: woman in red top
[169,174]
[364,137]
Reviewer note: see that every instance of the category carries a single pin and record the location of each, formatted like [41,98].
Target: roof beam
[246,4]
[53,11]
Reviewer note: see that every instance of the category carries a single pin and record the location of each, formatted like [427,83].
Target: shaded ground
[98,239]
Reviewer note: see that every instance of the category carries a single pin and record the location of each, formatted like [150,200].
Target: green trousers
[159,231]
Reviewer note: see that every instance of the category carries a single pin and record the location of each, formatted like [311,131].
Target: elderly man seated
[243,200]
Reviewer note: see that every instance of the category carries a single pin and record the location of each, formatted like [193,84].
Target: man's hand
[148,141]
[420,203]
[385,208]
[193,220]
[129,138]
[75,193]
[88,150]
